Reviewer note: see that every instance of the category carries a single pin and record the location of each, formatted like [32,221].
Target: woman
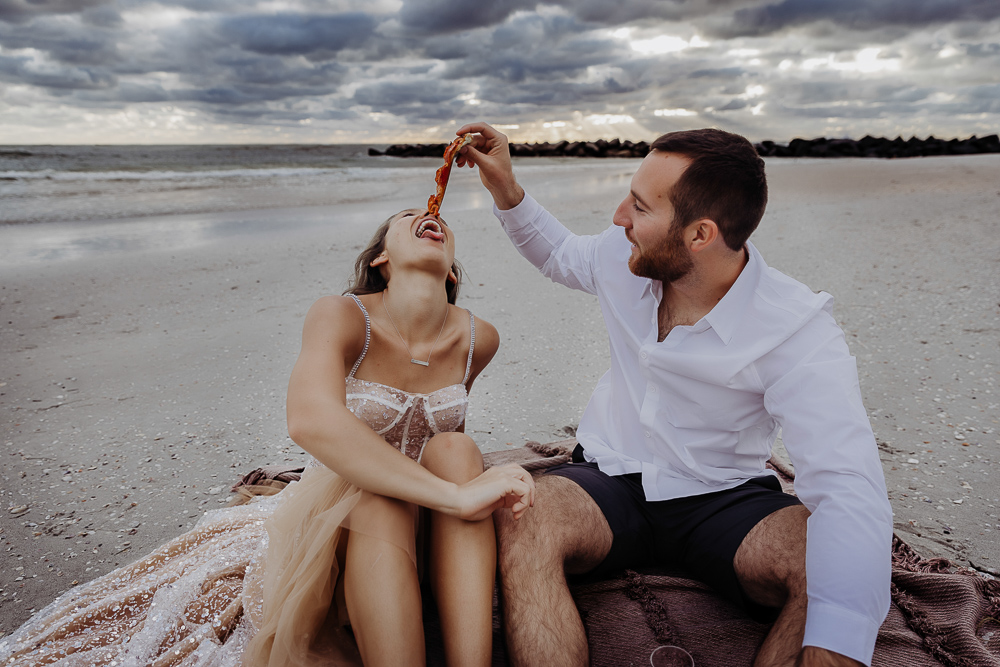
[378,397]
[409,357]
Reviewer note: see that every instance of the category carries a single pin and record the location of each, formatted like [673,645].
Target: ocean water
[41,184]
[69,202]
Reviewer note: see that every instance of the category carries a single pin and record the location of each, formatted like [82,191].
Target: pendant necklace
[412,360]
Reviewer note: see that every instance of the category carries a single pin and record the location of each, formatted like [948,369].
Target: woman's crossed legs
[381,587]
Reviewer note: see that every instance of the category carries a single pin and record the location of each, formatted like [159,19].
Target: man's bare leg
[771,567]
[565,532]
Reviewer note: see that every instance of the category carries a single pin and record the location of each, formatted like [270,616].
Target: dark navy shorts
[698,535]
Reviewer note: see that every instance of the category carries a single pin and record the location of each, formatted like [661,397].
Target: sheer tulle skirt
[255,584]
[303,617]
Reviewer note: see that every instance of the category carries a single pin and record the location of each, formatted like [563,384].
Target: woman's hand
[508,486]
[490,152]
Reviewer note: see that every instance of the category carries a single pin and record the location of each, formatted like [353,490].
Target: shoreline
[138,383]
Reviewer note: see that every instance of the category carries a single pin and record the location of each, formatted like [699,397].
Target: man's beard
[668,262]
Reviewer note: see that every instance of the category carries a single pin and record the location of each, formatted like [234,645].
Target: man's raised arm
[558,253]
[490,152]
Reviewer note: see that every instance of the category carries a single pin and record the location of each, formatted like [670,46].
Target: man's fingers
[466,157]
[484,129]
[479,144]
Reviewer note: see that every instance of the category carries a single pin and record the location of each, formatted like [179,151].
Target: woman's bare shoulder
[338,318]
[335,306]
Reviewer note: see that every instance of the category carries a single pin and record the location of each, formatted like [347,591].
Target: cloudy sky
[380,71]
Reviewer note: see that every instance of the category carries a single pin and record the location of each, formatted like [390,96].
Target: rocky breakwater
[874,147]
[599,148]
[880,147]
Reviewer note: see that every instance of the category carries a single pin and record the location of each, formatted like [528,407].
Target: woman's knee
[452,456]
[375,514]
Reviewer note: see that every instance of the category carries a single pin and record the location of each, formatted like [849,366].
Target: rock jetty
[599,148]
[875,147]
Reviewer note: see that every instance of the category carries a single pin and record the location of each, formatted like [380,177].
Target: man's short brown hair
[725,182]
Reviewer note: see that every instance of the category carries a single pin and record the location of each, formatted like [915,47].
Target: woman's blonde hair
[368,279]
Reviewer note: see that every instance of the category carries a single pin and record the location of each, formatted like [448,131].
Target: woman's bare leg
[462,558]
[381,587]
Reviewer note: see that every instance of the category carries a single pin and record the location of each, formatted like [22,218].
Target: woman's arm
[320,423]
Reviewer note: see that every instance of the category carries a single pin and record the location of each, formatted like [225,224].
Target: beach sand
[143,364]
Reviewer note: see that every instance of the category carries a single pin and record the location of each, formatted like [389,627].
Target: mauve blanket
[941,614]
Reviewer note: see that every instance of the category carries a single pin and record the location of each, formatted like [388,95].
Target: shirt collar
[726,315]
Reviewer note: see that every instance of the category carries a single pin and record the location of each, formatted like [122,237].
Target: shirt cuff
[841,631]
[519,216]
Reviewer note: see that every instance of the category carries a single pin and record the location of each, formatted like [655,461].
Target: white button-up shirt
[699,411]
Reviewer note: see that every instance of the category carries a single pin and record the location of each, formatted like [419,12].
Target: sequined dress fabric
[255,584]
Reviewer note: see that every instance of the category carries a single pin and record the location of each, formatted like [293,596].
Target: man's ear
[702,234]
[380,260]
[452,278]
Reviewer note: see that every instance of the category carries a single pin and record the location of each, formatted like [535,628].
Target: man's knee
[524,540]
[771,561]
[564,529]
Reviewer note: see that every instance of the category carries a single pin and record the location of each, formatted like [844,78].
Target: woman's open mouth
[431,229]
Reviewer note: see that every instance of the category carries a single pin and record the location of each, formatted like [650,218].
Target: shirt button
[648,435]
[652,388]
[642,354]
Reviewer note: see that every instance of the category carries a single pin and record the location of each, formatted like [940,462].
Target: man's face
[647,216]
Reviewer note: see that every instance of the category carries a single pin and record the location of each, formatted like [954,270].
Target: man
[712,352]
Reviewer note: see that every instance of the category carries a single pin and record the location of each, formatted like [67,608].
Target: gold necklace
[412,360]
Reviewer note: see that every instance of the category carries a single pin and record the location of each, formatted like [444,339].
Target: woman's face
[416,236]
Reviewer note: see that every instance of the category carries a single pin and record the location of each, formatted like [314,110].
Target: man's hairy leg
[565,532]
[771,567]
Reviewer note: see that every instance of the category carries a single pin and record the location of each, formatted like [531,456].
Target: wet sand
[143,367]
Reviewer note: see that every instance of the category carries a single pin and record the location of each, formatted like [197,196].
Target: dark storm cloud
[860,14]
[444,16]
[22,11]
[535,48]
[388,95]
[982,50]
[719,72]
[318,36]
[65,40]
[550,93]
[625,11]
[102,17]
[448,16]
[239,78]
[138,94]
[277,72]
[872,93]
[18,70]
[984,99]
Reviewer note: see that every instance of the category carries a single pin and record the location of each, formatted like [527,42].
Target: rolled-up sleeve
[839,478]
[558,253]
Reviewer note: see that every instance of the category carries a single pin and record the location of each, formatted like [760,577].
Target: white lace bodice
[407,420]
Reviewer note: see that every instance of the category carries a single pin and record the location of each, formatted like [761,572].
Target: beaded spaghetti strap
[368,336]
[472,345]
